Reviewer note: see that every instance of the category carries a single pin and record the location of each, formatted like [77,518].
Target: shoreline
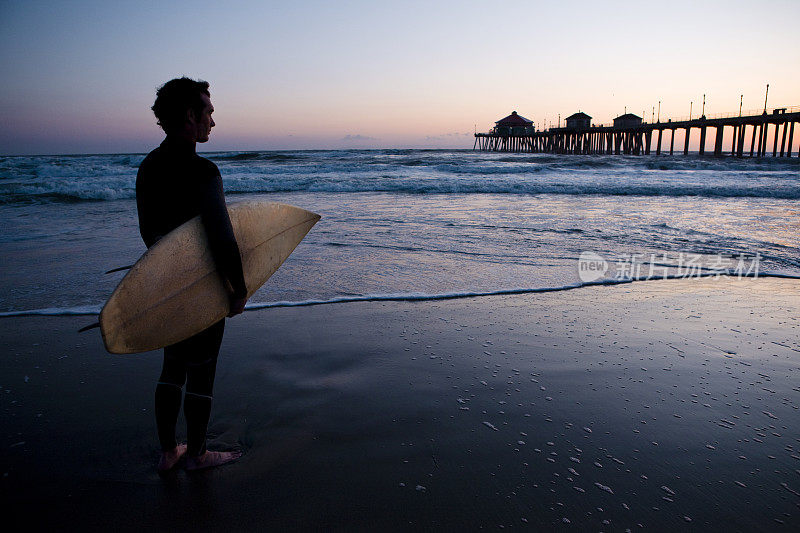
[94,310]
[474,412]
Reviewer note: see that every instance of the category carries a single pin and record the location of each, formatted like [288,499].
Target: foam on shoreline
[93,310]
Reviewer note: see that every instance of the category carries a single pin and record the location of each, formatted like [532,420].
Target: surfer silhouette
[174,185]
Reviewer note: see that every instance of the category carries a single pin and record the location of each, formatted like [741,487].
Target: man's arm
[222,241]
[144,199]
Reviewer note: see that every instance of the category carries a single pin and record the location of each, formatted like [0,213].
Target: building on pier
[514,124]
[628,120]
[579,121]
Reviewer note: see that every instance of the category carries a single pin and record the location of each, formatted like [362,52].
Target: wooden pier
[648,138]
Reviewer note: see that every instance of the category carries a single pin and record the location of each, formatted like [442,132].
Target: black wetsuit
[173,186]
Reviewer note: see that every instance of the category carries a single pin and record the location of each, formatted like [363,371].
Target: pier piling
[783,138]
[702,140]
[718,140]
[686,142]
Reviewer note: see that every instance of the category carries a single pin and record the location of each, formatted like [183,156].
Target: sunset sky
[80,77]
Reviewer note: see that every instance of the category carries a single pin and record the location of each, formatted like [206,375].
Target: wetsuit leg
[196,359]
[168,396]
[201,368]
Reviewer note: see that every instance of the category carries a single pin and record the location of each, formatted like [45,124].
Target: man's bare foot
[209,459]
[170,459]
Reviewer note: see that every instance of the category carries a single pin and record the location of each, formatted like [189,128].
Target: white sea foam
[87,310]
[82,310]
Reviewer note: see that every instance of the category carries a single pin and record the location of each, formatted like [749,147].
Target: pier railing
[745,113]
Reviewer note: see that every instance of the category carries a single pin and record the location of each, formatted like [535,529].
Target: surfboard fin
[90,326]
[118,269]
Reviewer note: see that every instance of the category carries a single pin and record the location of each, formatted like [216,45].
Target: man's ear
[191,116]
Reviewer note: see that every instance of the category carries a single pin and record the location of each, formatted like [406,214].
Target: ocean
[416,224]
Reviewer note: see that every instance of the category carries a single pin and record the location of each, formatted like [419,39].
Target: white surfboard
[174,291]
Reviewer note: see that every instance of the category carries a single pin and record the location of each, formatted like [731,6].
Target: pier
[630,136]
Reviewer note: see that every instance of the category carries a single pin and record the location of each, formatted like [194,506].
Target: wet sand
[656,404]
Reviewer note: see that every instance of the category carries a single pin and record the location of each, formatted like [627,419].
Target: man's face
[202,124]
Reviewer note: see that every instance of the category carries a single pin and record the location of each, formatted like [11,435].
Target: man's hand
[237,306]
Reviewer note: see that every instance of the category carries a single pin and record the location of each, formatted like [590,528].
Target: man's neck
[182,142]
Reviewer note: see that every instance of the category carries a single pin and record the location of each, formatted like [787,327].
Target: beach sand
[668,404]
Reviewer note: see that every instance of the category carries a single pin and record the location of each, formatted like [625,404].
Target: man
[174,185]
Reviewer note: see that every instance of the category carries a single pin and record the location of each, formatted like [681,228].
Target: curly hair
[174,98]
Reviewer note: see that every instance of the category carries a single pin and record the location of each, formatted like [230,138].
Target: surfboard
[174,290]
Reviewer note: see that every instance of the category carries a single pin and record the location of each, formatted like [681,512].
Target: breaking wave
[44,179]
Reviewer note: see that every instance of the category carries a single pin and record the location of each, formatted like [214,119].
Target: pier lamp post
[740,104]
[653,116]
[559,120]
[765,99]
[703,114]
[659,111]
[690,110]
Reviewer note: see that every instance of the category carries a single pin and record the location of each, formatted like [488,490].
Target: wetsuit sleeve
[221,239]
[144,207]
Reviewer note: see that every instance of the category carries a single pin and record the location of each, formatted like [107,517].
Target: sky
[80,76]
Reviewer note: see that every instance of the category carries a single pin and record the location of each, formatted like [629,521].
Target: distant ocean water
[413,223]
